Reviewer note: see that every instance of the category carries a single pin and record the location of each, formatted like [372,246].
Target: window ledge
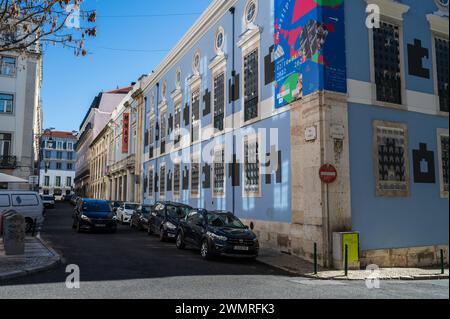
[390,8]
[438,23]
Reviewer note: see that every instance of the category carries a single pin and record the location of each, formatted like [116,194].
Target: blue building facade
[259,94]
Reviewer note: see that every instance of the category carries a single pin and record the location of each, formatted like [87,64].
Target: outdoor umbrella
[11,179]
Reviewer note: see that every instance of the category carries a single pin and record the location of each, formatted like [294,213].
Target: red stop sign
[328,174]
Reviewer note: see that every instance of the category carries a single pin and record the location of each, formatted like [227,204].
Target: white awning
[11,179]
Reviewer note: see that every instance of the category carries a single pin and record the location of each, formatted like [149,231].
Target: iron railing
[9,162]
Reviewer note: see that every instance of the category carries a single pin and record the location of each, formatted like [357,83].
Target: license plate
[241,248]
[100,225]
[171,235]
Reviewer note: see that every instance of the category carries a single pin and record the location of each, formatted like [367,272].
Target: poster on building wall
[309,48]
[125,132]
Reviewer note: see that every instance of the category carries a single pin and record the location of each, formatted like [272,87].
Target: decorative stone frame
[246,21]
[176,194]
[151,132]
[195,84]
[177,98]
[195,158]
[13,113]
[378,190]
[218,66]
[164,194]
[220,32]
[163,109]
[151,181]
[440,134]
[391,12]
[252,138]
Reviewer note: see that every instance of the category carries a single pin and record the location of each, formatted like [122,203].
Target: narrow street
[132,265]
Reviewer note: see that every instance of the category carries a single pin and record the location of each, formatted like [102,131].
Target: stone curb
[342,278]
[54,263]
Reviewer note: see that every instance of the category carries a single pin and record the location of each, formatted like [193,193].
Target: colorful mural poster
[309,48]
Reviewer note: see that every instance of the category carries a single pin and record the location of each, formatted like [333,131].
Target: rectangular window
[21,200]
[443,141]
[151,183]
[386,50]
[59,145]
[70,156]
[48,154]
[58,165]
[4,201]
[163,131]
[69,181]
[69,166]
[58,181]
[176,180]
[195,177]
[6,103]
[151,137]
[177,125]
[47,181]
[7,66]
[391,159]
[442,73]
[5,144]
[219,172]
[251,85]
[195,120]
[70,146]
[251,166]
[59,155]
[162,181]
[219,102]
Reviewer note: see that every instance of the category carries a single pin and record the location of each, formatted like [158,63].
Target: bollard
[442,262]
[346,260]
[315,259]
[33,229]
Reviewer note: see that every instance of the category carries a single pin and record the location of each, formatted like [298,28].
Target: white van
[28,204]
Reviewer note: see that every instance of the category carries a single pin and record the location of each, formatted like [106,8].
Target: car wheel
[78,227]
[149,230]
[162,236]
[121,221]
[180,241]
[204,251]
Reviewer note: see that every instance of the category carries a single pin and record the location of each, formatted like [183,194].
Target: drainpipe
[233,74]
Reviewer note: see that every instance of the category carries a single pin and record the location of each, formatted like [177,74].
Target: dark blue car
[165,218]
[94,215]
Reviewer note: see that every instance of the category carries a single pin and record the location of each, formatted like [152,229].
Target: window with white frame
[251,11]
[162,181]
[443,147]
[219,171]
[391,159]
[441,51]
[163,133]
[151,137]
[68,181]
[58,181]
[195,177]
[252,178]
[251,85]
[6,103]
[151,183]
[387,63]
[177,125]
[7,66]
[219,101]
[176,180]
[46,181]
[5,144]
[195,120]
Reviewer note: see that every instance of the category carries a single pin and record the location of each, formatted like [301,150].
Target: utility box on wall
[340,240]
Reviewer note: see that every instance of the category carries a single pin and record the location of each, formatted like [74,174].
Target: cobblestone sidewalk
[299,267]
[38,257]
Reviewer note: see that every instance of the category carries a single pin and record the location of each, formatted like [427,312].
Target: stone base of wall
[293,239]
[405,257]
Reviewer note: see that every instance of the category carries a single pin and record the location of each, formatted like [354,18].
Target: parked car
[74,200]
[115,204]
[141,217]
[67,198]
[165,219]
[28,204]
[125,211]
[92,215]
[48,201]
[217,233]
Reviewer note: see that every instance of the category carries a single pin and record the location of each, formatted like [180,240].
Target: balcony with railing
[8,162]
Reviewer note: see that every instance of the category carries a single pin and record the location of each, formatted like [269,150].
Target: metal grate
[163,132]
[195,179]
[251,86]
[219,172]
[386,46]
[176,179]
[162,181]
[251,153]
[151,183]
[177,125]
[442,73]
[195,99]
[219,101]
[445,162]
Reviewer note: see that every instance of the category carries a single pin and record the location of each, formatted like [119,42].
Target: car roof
[90,200]
[174,204]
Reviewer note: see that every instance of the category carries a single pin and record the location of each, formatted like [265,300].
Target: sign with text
[125,132]
[309,48]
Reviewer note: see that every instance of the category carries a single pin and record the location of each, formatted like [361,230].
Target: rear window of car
[130,206]
[47,198]
[4,200]
[102,207]
[20,200]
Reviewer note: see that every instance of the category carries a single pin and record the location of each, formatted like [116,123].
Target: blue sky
[70,82]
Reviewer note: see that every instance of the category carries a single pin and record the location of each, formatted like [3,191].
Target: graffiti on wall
[309,48]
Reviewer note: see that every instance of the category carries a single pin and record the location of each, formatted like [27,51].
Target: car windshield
[98,207]
[146,210]
[177,212]
[130,206]
[47,198]
[224,220]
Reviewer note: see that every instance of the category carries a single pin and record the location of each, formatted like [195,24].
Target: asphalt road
[131,265]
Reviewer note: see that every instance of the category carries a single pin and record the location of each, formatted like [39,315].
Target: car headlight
[218,237]
[84,217]
[171,226]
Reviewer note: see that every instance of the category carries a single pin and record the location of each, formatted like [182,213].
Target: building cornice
[438,24]
[390,8]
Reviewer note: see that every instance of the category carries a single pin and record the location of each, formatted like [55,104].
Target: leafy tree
[27,23]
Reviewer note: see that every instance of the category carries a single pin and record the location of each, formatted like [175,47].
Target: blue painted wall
[419,220]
